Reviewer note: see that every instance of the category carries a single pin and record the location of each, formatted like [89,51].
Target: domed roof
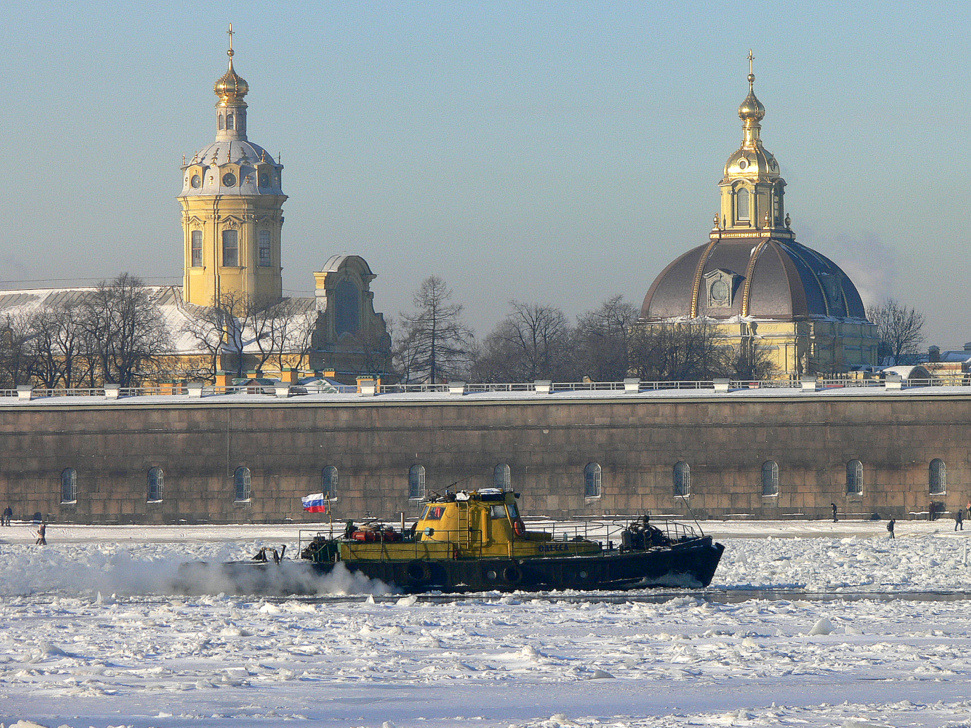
[757,278]
[231,85]
[232,167]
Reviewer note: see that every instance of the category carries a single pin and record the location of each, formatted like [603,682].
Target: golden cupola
[752,189]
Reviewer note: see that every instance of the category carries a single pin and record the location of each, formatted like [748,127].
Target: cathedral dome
[232,167]
[231,85]
[765,279]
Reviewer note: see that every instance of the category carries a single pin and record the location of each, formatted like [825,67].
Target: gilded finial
[751,68]
[715,221]
[183,160]
[230,33]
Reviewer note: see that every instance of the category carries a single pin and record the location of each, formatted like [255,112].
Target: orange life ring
[519,527]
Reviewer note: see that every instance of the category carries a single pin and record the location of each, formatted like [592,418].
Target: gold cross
[230,33]
[750,56]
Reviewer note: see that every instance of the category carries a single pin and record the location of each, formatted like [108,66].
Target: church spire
[231,108]
[751,189]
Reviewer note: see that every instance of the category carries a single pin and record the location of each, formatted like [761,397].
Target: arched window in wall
[937,477]
[501,477]
[416,482]
[69,485]
[155,479]
[230,121]
[592,480]
[854,477]
[742,204]
[347,316]
[242,485]
[682,479]
[328,482]
[770,478]
[222,121]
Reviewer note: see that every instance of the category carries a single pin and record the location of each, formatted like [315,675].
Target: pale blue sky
[551,152]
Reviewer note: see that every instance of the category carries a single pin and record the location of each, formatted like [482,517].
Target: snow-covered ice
[91,634]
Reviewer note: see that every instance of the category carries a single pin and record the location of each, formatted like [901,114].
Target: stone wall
[546,440]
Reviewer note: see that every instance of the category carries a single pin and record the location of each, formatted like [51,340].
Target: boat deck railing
[565,538]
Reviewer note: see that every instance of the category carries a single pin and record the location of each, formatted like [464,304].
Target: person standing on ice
[42,534]
[834,512]
[959,519]
[890,524]
[7,515]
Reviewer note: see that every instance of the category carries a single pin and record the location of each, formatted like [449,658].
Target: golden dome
[751,108]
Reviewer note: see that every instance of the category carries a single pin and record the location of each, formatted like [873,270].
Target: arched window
[348,308]
[155,477]
[854,477]
[263,253]
[770,478]
[592,480]
[416,482]
[682,479]
[937,477]
[241,485]
[222,122]
[741,204]
[230,121]
[69,485]
[328,482]
[231,248]
[501,477]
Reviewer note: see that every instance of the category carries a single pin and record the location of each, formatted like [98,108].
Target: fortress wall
[545,440]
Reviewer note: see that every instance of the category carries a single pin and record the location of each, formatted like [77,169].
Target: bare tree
[899,328]
[532,342]
[679,351]
[601,338]
[125,328]
[215,331]
[16,356]
[434,344]
[750,361]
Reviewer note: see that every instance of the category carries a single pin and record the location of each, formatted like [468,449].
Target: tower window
[155,484]
[348,305]
[69,486]
[197,248]
[592,480]
[742,205]
[231,248]
[264,249]
[222,122]
[230,121]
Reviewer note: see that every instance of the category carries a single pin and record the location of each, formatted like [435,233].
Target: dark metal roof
[783,280]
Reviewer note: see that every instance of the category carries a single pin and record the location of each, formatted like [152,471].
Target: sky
[554,152]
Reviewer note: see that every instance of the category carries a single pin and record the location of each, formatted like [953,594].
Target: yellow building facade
[755,284]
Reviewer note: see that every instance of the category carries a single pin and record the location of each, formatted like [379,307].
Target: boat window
[497,510]
[434,513]
[513,511]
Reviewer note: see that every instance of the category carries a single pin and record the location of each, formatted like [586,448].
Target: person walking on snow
[834,512]
[890,524]
[7,515]
[42,534]
[959,519]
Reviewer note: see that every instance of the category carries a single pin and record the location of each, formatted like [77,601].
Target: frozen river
[91,635]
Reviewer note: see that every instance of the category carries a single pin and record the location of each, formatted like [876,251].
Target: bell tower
[232,208]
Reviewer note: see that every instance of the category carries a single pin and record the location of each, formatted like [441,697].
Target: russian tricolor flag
[315,503]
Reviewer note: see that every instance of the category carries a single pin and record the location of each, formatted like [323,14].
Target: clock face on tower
[196,181]
[719,293]
[264,180]
[229,179]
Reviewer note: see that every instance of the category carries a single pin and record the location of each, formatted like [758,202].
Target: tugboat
[478,541]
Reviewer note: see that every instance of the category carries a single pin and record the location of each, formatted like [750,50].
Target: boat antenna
[693,516]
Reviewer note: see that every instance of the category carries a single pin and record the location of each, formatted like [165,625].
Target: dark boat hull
[686,564]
